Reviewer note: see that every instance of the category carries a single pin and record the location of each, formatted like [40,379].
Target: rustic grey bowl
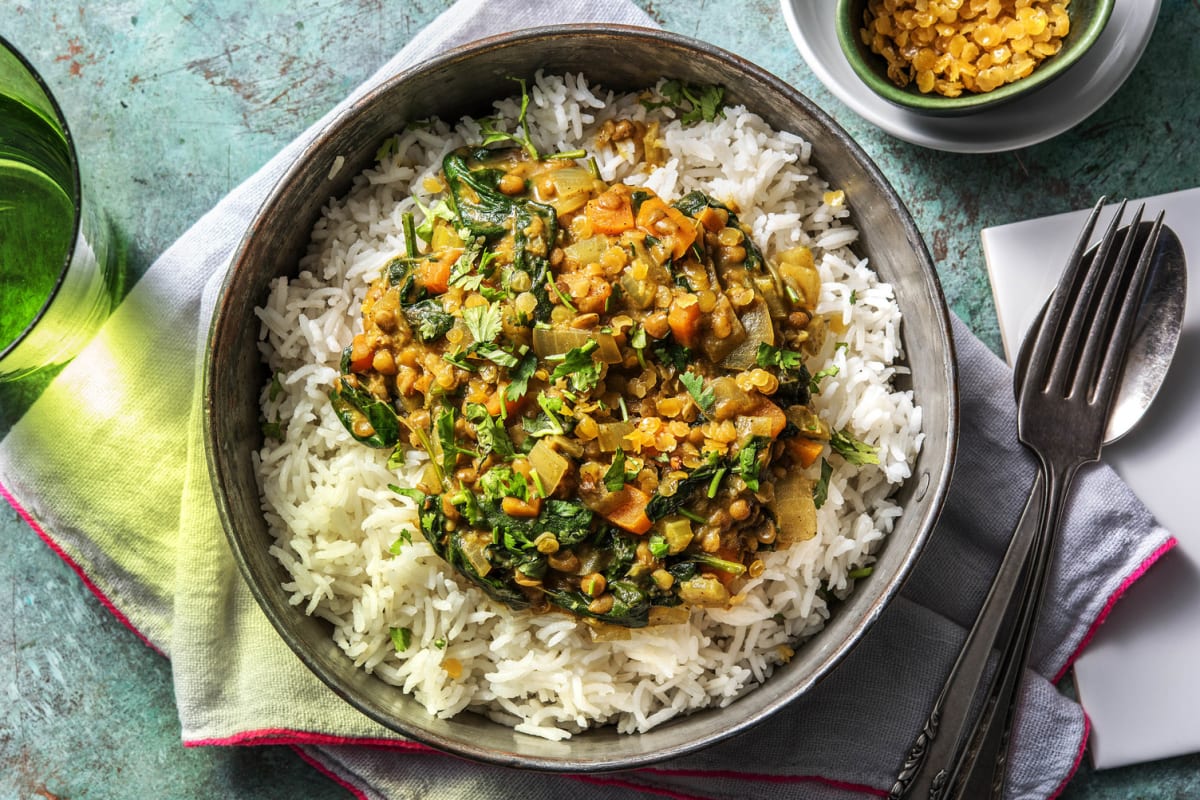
[466,81]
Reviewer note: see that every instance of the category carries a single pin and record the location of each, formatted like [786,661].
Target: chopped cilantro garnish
[673,355]
[500,482]
[276,387]
[748,461]
[495,353]
[814,385]
[401,638]
[695,385]
[404,538]
[770,356]
[519,376]
[492,134]
[439,643]
[577,366]
[693,102]
[483,322]
[490,434]
[658,545]
[821,488]
[615,477]
[852,449]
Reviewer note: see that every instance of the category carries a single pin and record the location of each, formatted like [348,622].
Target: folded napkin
[108,467]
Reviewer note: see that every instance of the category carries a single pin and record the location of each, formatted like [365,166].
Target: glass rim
[76,195]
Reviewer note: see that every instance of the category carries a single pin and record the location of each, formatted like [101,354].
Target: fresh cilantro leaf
[404,538]
[495,353]
[658,545]
[490,434]
[577,366]
[388,148]
[500,482]
[492,134]
[748,461]
[853,296]
[459,359]
[693,102]
[695,385]
[273,430]
[614,478]
[519,376]
[440,211]
[439,643]
[673,355]
[483,322]
[770,356]
[401,638]
[814,384]
[638,341]
[396,459]
[821,487]
[276,387]
[851,449]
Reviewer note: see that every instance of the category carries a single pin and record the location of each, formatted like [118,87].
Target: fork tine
[1100,327]
[1083,298]
[1118,341]
[1048,332]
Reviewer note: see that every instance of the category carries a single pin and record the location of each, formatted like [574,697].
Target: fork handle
[931,766]
[983,765]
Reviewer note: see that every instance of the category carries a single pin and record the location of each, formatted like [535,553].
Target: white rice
[334,519]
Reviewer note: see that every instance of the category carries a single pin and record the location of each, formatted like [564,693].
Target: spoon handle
[932,763]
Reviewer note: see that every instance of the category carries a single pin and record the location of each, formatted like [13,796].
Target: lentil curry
[611,388]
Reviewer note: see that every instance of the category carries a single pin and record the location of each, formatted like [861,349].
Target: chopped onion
[550,465]
[612,435]
[549,342]
[795,510]
[587,251]
[757,322]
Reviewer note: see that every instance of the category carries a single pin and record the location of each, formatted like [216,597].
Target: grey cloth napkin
[846,739]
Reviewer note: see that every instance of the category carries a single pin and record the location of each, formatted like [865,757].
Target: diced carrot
[805,450]
[434,273]
[610,213]
[684,319]
[768,410]
[525,509]
[661,221]
[626,508]
[361,354]
[497,397]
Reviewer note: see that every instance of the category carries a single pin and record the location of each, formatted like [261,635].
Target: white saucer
[1057,107]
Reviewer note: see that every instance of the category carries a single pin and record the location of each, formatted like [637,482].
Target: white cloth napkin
[109,467]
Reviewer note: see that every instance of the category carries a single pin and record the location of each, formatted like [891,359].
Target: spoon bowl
[1155,335]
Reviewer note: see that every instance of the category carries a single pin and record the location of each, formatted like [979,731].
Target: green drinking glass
[60,273]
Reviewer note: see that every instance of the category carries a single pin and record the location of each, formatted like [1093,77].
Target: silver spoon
[940,754]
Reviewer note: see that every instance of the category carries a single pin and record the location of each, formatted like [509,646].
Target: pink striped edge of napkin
[1131,579]
[298,739]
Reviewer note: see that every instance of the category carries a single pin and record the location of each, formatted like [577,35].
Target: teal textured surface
[174,104]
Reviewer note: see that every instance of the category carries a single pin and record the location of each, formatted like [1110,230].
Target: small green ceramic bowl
[1088,18]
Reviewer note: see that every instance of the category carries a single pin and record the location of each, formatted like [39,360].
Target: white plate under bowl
[1060,105]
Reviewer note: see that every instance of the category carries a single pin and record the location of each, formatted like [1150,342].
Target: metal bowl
[466,81]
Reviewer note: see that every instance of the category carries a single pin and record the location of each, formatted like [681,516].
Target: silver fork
[1068,425]
[1063,405]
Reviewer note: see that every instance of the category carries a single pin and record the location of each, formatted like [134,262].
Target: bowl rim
[846,28]
[932,494]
